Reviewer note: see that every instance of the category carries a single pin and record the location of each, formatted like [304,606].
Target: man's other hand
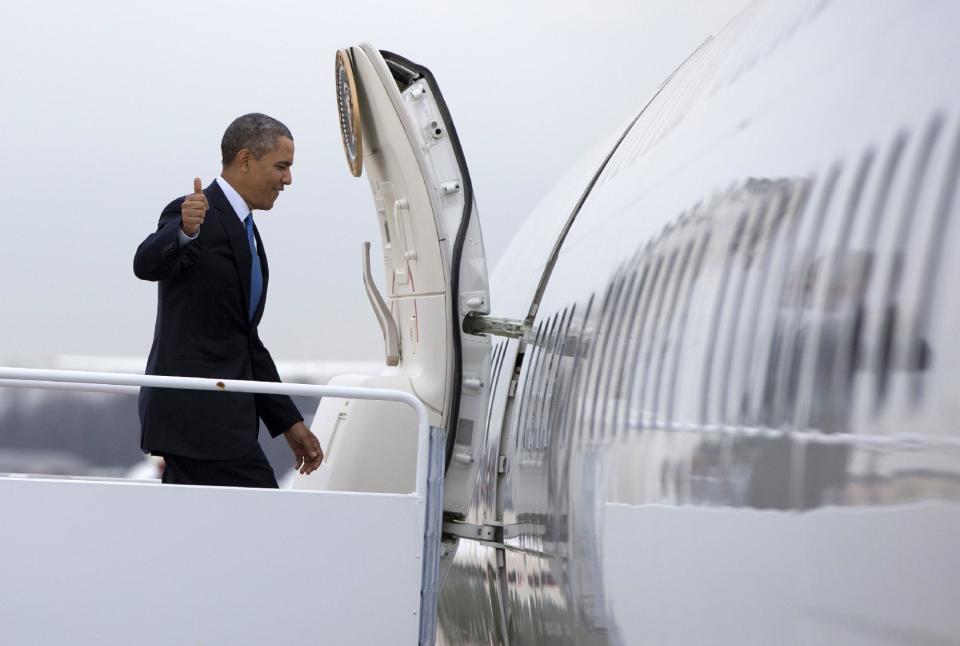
[307,454]
[193,209]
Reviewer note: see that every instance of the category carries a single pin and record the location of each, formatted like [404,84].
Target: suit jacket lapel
[237,235]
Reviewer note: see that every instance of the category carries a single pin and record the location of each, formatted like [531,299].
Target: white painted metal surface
[699,575]
[120,562]
[103,563]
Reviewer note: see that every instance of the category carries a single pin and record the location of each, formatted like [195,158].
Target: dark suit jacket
[203,330]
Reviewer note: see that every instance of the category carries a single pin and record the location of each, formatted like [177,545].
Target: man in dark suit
[211,268]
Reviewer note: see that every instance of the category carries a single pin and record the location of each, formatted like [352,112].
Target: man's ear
[243,159]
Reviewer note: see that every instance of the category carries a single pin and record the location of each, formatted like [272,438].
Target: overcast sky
[110,110]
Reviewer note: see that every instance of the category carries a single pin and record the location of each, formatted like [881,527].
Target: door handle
[388,326]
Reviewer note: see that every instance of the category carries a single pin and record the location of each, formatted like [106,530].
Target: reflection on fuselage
[778,354]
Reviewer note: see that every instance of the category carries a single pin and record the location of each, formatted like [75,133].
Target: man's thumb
[197,187]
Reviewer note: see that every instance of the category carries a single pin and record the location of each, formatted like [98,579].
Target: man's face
[264,178]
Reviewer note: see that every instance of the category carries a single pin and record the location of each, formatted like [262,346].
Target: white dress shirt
[239,207]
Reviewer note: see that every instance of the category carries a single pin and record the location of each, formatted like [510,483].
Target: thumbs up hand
[193,209]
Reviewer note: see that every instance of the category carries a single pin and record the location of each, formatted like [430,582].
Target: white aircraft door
[397,130]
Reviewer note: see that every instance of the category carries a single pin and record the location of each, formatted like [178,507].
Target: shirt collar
[239,205]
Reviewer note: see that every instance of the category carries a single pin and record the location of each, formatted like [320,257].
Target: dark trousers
[252,470]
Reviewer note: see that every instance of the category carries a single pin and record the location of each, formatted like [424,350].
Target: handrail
[56,380]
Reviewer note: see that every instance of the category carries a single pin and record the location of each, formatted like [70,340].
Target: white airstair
[110,561]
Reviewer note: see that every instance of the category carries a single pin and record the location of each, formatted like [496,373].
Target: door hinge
[492,532]
[477,324]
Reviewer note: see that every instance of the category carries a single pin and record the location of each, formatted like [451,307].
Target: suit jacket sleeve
[278,412]
[160,256]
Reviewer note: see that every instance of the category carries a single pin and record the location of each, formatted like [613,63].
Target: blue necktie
[256,275]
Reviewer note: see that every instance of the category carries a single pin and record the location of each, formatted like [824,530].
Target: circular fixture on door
[349,109]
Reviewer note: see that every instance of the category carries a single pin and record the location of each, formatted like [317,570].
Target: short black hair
[256,132]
